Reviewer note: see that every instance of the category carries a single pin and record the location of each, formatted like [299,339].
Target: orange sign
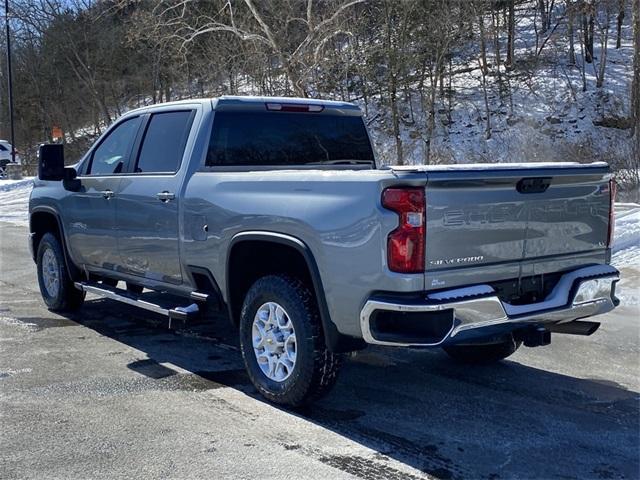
[56,133]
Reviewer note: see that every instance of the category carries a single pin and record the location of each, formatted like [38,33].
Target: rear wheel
[282,342]
[490,353]
[56,286]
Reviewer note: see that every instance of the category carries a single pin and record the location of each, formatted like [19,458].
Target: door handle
[165,196]
[108,194]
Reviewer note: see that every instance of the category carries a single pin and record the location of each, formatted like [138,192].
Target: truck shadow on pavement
[417,407]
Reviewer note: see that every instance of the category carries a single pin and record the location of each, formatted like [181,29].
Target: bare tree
[511,33]
[588,14]
[571,18]
[603,32]
[295,33]
[635,89]
[619,21]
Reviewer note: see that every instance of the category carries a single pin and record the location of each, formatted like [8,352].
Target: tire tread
[320,378]
[69,297]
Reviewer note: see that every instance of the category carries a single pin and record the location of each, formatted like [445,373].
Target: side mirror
[51,162]
[69,180]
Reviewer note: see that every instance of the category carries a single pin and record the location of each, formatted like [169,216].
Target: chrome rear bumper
[578,294]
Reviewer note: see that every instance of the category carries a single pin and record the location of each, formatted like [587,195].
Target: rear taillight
[406,244]
[613,188]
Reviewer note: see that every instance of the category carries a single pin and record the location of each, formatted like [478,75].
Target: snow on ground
[626,247]
[626,252]
[14,201]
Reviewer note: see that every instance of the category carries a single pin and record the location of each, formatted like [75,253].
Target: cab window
[112,154]
[164,142]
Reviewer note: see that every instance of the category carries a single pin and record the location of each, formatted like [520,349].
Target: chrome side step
[175,313]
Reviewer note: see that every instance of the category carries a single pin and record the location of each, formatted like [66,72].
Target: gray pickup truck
[275,211]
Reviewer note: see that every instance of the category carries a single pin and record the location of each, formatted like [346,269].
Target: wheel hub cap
[274,341]
[50,273]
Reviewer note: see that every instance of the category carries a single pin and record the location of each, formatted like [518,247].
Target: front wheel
[489,353]
[282,342]
[54,280]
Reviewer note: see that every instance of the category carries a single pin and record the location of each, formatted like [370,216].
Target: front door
[148,200]
[90,214]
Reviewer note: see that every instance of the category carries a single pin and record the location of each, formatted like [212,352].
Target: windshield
[285,138]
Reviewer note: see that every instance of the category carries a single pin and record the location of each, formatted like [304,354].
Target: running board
[175,313]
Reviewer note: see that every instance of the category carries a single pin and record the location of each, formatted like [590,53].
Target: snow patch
[626,244]
[14,322]
[14,201]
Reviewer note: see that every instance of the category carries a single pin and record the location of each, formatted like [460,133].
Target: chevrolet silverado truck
[275,211]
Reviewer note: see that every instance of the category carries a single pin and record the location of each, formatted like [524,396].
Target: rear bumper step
[182,313]
[458,315]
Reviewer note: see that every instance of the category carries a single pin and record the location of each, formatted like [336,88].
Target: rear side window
[164,142]
[286,138]
[113,152]
[3,148]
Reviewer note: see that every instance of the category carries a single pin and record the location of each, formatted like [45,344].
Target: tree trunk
[635,89]
[511,33]
[587,31]
[570,22]
[620,20]
[487,130]
[483,45]
[604,39]
[543,16]
[583,55]
[392,86]
[395,118]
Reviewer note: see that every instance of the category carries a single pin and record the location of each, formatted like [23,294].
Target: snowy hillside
[538,111]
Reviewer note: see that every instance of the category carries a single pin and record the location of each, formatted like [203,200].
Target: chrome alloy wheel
[50,273]
[274,341]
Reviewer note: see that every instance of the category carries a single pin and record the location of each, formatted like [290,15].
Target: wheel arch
[44,220]
[256,244]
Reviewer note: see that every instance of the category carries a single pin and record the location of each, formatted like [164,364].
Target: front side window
[164,142]
[286,138]
[112,154]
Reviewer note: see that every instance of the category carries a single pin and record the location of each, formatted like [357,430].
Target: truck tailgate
[506,216]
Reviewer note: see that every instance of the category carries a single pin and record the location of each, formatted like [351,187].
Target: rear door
[148,200]
[89,214]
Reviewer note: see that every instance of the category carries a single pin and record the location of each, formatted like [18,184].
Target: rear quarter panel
[336,214]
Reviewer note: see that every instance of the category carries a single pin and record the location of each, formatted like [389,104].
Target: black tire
[479,354]
[316,368]
[134,288]
[67,297]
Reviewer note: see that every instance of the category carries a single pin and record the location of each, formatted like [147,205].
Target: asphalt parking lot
[111,393]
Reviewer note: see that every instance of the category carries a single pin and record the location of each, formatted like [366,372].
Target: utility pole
[10,82]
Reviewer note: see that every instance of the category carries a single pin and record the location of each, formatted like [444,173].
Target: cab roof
[232,102]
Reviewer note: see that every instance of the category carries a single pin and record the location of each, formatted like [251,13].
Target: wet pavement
[109,392]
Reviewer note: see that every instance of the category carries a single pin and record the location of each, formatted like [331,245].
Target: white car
[5,156]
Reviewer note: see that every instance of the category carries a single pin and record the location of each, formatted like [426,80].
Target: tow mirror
[51,162]
[51,167]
